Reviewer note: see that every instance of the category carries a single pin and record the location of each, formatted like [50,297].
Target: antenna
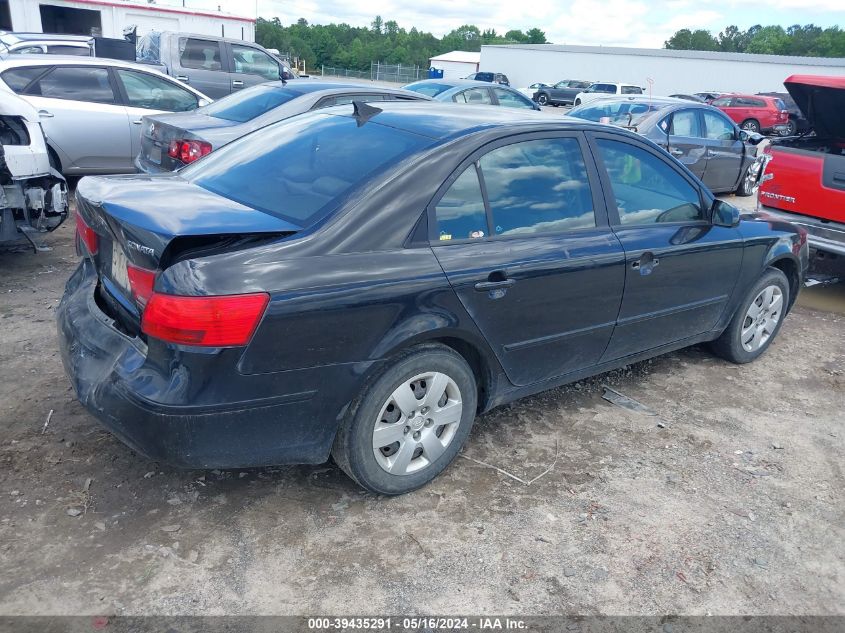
[363,112]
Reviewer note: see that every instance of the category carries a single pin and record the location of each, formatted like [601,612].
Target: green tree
[770,40]
[536,36]
[698,40]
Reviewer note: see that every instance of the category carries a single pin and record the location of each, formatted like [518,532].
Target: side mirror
[724,214]
[752,138]
[203,102]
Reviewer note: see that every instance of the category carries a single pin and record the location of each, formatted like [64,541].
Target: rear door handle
[138,122]
[183,78]
[44,114]
[676,152]
[484,286]
[237,83]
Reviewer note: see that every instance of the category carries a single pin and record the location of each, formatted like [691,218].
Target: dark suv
[493,78]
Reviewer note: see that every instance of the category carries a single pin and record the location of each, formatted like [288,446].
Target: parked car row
[361,281]
[701,137]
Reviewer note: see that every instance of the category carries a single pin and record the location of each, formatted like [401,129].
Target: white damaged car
[33,196]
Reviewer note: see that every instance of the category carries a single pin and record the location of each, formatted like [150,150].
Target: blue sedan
[472,92]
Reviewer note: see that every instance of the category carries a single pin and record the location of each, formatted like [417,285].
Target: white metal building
[457,64]
[109,17]
[671,71]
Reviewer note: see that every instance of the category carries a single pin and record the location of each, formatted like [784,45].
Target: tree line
[352,47]
[808,40]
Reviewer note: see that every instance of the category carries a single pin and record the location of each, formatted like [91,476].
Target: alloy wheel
[417,423]
[542,99]
[761,318]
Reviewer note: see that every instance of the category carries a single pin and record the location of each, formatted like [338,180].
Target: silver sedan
[91,108]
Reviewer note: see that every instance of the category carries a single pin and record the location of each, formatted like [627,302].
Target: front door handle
[138,122]
[183,78]
[44,114]
[646,263]
[676,152]
[237,83]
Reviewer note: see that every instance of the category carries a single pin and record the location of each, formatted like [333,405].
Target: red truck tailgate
[806,182]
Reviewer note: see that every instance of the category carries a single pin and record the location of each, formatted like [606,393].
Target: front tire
[757,321]
[577,102]
[543,99]
[409,424]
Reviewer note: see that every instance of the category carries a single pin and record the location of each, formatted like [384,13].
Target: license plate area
[154,154]
[119,272]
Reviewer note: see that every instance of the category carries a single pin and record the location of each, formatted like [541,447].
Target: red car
[804,177]
[755,113]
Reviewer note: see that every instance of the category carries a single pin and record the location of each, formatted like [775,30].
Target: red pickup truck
[803,180]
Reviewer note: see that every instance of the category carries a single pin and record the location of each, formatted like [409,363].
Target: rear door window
[631,90]
[61,49]
[685,123]
[477,96]
[78,83]
[460,212]
[537,187]
[200,54]
[155,93]
[723,102]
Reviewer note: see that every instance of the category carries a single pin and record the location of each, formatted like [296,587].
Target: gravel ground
[735,506]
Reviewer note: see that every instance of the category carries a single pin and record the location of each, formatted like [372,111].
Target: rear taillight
[141,283]
[87,235]
[219,321]
[188,151]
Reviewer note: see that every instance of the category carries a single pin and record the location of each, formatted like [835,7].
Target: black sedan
[706,141]
[363,281]
[170,141]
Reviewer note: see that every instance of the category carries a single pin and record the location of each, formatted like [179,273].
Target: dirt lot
[735,507]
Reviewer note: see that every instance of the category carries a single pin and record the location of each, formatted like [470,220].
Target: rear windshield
[618,112]
[429,90]
[247,104]
[300,169]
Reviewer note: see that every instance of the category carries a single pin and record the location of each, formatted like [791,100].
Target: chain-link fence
[392,73]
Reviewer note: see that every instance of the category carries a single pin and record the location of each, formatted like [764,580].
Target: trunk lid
[157,132]
[822,101]
[148,223]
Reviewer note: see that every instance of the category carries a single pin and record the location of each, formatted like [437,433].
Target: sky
[643,23]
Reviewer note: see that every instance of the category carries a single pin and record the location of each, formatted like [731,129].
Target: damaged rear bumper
[192,412]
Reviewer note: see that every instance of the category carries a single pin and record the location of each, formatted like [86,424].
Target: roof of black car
[440,120]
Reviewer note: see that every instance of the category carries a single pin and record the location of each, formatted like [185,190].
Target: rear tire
[757,321]
[390,441]
[752,125]
[791,128]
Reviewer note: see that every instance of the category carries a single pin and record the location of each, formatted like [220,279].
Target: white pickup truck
[602,89]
